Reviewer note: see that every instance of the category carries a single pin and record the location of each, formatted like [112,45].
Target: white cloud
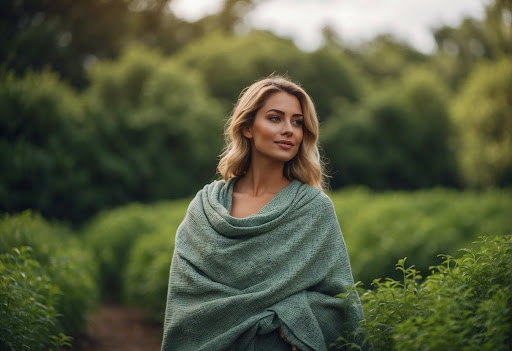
[354,20]
[192,10]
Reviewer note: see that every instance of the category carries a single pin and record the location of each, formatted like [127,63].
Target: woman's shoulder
[215,189]
[214,184]
[319,195]
[323,201]
[316,197]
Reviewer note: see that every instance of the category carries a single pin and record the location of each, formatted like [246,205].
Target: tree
[384,58]
[427,96]
[41,138]
[398,137]
[460,48]
[330,76]
[481,112]
[159,131]
[144,130]
[229,63]
[69,36]
[59,34]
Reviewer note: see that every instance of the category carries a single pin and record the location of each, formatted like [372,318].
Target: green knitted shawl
[234,282]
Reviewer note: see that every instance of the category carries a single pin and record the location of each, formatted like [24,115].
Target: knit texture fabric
[234,282]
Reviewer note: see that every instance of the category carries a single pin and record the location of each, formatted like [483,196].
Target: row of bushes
[381,228]
[48,284]
[135,243]
[115,237]
[463,305]
[49,281]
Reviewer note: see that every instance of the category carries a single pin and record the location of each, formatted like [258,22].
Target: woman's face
[277,131]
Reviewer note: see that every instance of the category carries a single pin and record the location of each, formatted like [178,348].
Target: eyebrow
[282,113]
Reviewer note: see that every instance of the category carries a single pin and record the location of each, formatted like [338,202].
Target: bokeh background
[112,116]
[108,102]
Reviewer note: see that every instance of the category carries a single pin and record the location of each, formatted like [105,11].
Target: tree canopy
[108,102]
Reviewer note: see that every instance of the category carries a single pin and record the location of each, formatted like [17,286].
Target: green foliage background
[126,252]
[105,123]
[134,243]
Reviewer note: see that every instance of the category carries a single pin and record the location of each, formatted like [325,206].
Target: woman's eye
[274,118]
[298,122]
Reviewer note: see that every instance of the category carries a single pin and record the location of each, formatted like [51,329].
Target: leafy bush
[57,257]
[112,234]
[133,244]
[381,228]
[28,315]
[41,138]
[137,133]
[155,126]
[146,274]
[463,305]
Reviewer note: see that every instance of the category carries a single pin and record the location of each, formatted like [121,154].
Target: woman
[259,256]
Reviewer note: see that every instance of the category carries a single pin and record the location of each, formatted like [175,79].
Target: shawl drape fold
[234,282]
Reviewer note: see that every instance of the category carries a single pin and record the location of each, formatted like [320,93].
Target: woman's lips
[285,144]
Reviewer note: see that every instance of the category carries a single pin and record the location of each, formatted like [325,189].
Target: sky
[353,20]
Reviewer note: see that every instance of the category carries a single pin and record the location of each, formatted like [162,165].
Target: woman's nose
[287,128]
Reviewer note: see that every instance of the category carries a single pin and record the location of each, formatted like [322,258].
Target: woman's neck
[263,180]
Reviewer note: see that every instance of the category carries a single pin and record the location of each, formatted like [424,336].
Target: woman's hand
[281,334]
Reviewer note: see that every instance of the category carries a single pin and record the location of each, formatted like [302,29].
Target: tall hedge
[41,140]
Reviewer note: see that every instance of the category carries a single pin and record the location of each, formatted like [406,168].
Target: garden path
[115,328]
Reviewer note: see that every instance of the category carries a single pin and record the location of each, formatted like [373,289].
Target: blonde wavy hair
[235,159]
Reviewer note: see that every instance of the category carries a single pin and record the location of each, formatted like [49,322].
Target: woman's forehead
[283,100]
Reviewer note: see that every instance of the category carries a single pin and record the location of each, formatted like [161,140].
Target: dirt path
[116,328]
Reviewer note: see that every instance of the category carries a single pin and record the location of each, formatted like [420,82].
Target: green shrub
[133,244]
[470,307]
[28,317]
[112,234]
[463,305]
[481,112]
[146,277]
[137,133]
[61,259]
[154,126]
[381,228]
[42,133]
[397,138]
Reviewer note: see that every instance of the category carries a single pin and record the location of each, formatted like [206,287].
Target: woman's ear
[247,132]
